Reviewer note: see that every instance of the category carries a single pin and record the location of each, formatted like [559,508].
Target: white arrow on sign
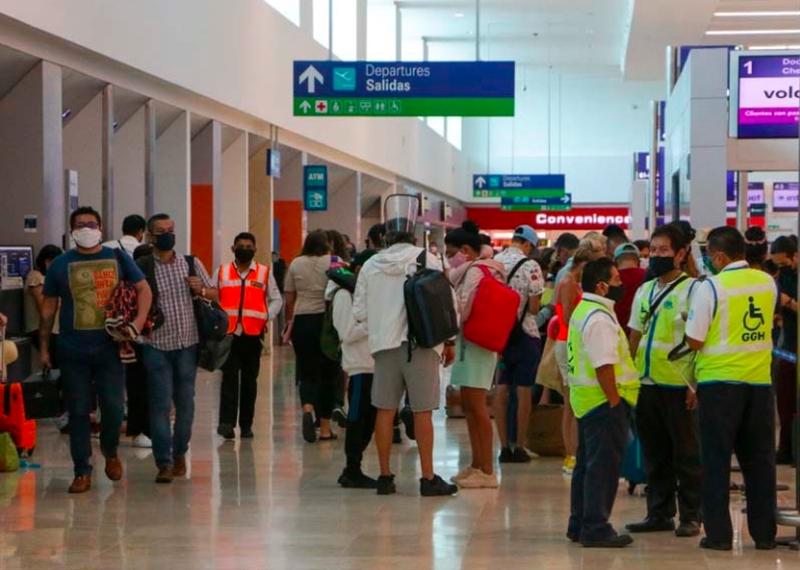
[305,106]
[565,199]
[480,182]
[311,75]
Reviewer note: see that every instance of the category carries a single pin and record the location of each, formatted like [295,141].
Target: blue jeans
[83,376]
[602,436]
[170,378]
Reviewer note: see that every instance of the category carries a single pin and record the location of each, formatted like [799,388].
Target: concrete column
[129,171]
[307,17]
[361,29]
[31,165]
[82,148]
[234,208]
[398,28]
[150,133]
[107,162]
[172,178]
[259,209]
[206,160]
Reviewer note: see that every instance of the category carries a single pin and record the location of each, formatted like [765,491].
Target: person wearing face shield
[83,281]
[666,417]
[604,387]
[730,326]
[249,295]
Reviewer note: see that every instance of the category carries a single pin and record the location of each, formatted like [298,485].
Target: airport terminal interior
[424,284]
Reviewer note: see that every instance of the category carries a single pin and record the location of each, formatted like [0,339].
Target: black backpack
[432,316]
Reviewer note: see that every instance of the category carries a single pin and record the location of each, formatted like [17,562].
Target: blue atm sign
[315,188]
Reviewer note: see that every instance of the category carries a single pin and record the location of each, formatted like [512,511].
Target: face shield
[400,212]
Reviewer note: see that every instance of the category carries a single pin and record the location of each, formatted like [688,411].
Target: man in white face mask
[84,279]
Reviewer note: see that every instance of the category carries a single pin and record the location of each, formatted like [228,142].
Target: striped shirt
[179,330]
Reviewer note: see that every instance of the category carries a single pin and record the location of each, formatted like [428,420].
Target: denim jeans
[602,436]
[170,379]
[83,376]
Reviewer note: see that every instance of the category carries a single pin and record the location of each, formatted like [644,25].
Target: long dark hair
[47,253]
[316,244]
[468,234]
[338,245]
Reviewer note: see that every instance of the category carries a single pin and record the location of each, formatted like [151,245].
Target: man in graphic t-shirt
[84,279]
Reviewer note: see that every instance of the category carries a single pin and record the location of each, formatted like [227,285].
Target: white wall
[344,209]
[83,146]
[596,124]
[173,178]
[30,158]
[231,61]
[129,171]
[234,215]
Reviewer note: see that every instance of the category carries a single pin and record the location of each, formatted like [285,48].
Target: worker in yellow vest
[730,324]
[666,416]
[603,388]
[249,294]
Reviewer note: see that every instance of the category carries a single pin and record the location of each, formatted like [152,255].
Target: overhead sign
[315,188]
[768,95]
[578,219]
[274,162]
[785,196]
[534,204]
[518,185]
[404,89]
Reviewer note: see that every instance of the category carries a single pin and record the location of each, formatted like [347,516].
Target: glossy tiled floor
[274,503]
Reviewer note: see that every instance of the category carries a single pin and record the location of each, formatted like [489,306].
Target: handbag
[548,374]
[212,320]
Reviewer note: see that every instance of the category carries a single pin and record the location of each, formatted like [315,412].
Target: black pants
[738,418]
[317,375]
[602,436]
[136,389]
[240,382]
[360,419]
[671,447]
[786,393]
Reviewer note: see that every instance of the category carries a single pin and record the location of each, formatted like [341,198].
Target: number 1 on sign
[748,67]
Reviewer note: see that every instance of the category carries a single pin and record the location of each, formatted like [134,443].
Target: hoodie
[356,357]
[379,301]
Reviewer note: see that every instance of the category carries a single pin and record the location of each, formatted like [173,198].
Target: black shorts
[521,361]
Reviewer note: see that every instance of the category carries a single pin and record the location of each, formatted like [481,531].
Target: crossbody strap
[663,295]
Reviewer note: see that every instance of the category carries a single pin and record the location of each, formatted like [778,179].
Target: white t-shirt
[601,334]
[126,243]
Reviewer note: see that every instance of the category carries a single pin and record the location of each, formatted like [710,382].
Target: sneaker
[464,473]
[385,485]
[407,417]
[226,431]
[506,455]
[396,437]
[687,529]
[569,465]
[309,431]
[352,479]
[618,541]
[520,456]
[436,487]
[142,441]
[340,417]
[479,480]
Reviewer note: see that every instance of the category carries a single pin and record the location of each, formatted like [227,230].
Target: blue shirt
[84,284]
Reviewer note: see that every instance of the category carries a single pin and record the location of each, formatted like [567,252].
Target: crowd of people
[669,341]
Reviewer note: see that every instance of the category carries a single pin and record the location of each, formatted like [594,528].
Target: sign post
[315,188]
[404,89]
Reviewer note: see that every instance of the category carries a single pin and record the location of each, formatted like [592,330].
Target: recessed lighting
[752,32]
[758,14]
[775,47]
[458,15]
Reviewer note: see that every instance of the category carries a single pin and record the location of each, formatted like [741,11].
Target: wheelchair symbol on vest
[752,321]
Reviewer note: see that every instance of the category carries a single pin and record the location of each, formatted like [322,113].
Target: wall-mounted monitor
[16,261]
[785,196]
[765,94]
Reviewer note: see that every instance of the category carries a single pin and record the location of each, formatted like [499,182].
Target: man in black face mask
[665,416]
[249,294]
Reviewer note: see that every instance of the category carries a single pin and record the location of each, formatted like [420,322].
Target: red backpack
[494,313]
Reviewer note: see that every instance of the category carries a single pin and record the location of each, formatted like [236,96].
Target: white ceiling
[585,37]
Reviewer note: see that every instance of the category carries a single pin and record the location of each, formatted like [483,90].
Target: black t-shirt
[787,283]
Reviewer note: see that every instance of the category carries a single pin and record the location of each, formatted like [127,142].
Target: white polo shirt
[601,333]
[701,309]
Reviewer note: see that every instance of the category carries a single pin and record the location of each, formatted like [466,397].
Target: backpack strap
[517,267]
[192,267]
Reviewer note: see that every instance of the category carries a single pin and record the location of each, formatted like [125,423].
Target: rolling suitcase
[12,409]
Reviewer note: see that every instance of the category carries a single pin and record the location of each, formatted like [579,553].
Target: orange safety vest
[245,300]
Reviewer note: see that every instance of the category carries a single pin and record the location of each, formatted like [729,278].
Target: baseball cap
[626,249]
[527,233]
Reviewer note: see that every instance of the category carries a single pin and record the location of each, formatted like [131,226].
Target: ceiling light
[458,15]
[775,47]
[65,115]
[752,32]
[758,14]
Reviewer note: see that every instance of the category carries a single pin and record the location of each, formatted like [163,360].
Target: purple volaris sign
[769,95]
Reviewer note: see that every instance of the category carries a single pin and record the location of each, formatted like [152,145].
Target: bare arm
[534,304]
[608,382]
[568,297]
[634,339]
[48,315]
[38,296]
[144,299]
[695,345]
